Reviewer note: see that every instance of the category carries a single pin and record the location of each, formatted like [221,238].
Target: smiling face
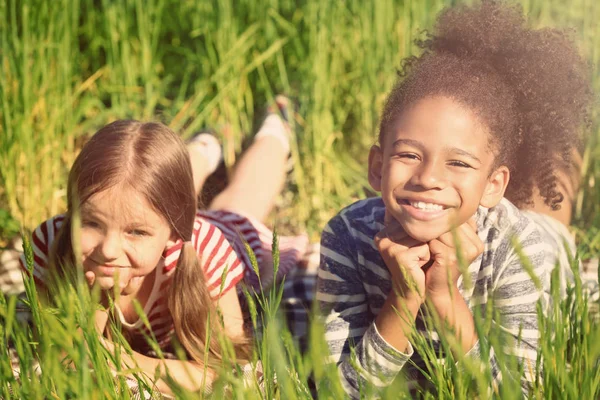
[121,233]
[435,168]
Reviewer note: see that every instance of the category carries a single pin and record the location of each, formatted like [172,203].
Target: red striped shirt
[220,264]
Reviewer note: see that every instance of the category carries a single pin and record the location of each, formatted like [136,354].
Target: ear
[495,187]
[375,167]
[172,240]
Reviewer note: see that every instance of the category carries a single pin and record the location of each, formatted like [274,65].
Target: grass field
[67,67]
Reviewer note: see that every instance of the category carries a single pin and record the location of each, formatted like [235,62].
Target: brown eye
[459,164]
[138,232]
[409,156]
[86,223]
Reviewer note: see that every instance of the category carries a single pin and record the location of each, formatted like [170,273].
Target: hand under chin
[133,286]
[122,279]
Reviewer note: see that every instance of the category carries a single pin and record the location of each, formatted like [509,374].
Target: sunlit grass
[71,66]
[67,67]
[61,356]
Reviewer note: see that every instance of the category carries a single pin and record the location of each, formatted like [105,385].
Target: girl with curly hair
[483,122]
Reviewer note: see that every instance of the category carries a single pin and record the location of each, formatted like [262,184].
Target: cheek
[471,192]
[394,175]
[146,257]
[89,241]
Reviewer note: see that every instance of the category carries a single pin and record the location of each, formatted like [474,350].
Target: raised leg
[205,154]
[259,175]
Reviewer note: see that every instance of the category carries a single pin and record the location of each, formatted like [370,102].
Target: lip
[419,214]
[403,200]
[107,269]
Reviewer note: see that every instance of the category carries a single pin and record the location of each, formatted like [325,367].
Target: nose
[429,175]
[111,246]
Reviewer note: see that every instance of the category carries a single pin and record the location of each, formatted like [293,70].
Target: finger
[473,246]
[422,253]
[467,231]
[393,229]
[437,248]
[465,234]
[389,221]
[468,242]
[472,222]
[90,277]
[383,242]
[411,259]
[442,254]
[136,280]
[123,276]
[395,254]
[447,239]
[395,234]
[398,235]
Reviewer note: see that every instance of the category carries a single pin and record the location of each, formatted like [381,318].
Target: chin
[424,234]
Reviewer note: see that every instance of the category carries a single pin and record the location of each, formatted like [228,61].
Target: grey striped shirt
[353,283]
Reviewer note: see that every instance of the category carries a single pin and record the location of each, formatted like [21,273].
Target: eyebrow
[420,146]
[86,207]
[465,153]
[135,223]
[409,142]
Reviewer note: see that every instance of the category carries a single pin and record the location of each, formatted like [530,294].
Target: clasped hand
[426,270]
[110,289]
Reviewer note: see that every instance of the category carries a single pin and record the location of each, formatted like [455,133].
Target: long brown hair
[153,160]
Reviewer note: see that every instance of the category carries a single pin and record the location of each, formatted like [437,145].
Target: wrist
[404,303]
[404,294]
[443,296]
[396,320]
[100,321]
[444,302]
[455,313]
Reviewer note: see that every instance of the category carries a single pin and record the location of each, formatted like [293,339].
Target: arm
[514,295]
[229,305]
[188,374]
[223,270]
[348,321]
[442,277]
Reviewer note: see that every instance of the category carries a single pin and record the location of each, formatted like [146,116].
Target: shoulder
[347,242]
[364,217]
[47,230]
[206,234]
[505,220]
[43,236]
[220,263]
[508,231]
[42,239]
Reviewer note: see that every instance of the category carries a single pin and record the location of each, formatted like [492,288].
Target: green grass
[67,67]
[62,343]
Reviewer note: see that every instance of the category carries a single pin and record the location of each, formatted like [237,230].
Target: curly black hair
[530,86]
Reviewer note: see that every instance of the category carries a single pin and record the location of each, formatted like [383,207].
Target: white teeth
[426,206]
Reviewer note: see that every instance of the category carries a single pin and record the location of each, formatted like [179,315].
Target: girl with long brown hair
[143,237]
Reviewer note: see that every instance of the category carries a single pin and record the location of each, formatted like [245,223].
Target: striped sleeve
[359,351]
[42,239]
[516,294]
[222,268]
